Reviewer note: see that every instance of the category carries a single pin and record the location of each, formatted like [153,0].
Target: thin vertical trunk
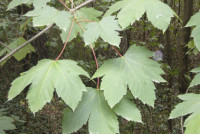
[168,57]
[183,57]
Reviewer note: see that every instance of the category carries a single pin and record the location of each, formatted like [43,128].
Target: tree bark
[183,57]
[169,59]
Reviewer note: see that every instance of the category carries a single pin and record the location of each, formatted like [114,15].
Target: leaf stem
[90,44]
[85,21]
[65,41]
[5,46]
[65,5]
[96,65]
[94,57]
[116,51]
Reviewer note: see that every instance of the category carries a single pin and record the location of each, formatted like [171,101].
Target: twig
[26,43]
[116,51]
[40,33]
[182,120]
[72,4]
[66,6]
[65,41]
[83,4]
[94,57]
[182,129]
[96,65]
[5,46]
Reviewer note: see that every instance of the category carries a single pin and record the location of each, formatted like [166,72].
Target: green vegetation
[99,67]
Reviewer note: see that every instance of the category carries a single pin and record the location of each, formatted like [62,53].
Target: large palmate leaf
[82,15]
[194,21]
[94,108]
[131,10]
[36,3]
[48,15]
[190,105]
[106,29]
[134,69]
[6,123]
[19,55]
[45,77]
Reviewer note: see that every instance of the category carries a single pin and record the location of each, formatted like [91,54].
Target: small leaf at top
[134,70]
[49,15]
[45,77]
[36,3]
[106,29]
[84,14]
[131,10]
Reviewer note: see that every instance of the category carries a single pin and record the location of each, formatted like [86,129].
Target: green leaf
[94,108]
[2,132]
[83,14]
[40,3]
[128,110]
[6,123]
[21,54]
[194,21]
[192,124]
[46,76]
[190,105]
[131,10]
[36,3]
[134,69]
[48,15]
[15,3]
[196,80]
[106,29]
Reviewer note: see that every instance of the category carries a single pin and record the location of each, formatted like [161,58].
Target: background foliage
[148,101]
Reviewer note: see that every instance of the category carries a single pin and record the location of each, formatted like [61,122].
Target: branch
[39,34]
[5,46]
[116,51]
[83,4]
[26,43]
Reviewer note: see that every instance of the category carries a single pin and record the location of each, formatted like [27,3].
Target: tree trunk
[169,59]
[183,58]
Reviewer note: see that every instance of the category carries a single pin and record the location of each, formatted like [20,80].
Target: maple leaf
[49,15]
[106,29]
[45,77]
[36,3]
[190,105]
[84,14]
[131,10]
[194,21]
[134,70]
[94,108]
